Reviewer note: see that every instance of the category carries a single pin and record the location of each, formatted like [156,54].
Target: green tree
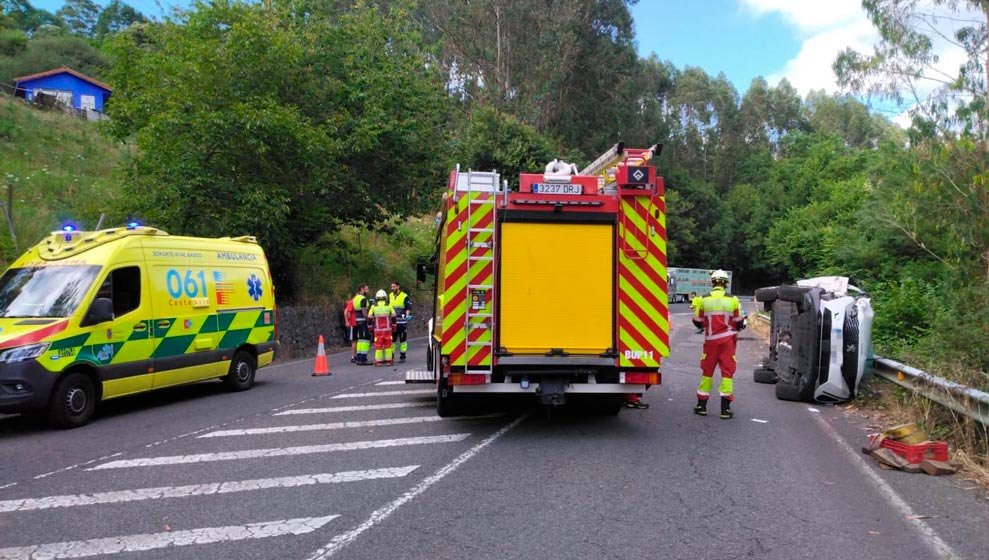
[115,17]
[79,16]
[277,120]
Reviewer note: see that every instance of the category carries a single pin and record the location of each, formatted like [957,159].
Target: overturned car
[820,339]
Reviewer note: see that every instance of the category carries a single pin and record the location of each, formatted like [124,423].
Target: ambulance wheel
[73,402]
[429,356]
[763,375]
[242,369]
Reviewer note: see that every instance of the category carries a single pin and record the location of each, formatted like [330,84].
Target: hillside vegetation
[60,169]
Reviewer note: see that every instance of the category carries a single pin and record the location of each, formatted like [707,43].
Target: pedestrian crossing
[310,469]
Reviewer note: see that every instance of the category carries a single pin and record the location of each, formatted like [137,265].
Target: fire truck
[557,289]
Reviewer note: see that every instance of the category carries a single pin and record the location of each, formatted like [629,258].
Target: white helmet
[382,295]
[719,276]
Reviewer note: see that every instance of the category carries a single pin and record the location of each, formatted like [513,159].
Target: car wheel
[763,375]
[800,390]
[241,374]
[73,402]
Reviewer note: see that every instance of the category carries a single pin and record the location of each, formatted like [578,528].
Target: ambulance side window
[124,289]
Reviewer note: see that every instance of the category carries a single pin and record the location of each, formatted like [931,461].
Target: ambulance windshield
[49,291]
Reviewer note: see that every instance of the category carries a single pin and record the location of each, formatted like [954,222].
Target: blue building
[72,88]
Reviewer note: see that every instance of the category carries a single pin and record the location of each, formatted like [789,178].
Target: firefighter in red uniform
[720,316]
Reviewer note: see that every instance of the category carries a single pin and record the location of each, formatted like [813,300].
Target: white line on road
[390,383]
[8,485]
[276,452]
[760,421]
[385,394]
[140,494]
[930,538]
[151,541]
[329,426]
[383,513]
[354,408]
[77,465]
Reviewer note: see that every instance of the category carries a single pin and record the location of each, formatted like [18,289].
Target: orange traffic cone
[321,368]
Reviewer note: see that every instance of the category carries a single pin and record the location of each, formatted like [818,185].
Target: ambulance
[87,316]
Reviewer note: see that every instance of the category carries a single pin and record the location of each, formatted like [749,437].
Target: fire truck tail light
[468,379]
[643,378]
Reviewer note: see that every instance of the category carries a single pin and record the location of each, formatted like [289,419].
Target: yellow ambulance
[90,316]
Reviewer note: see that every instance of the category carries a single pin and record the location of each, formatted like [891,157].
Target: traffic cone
[321,368]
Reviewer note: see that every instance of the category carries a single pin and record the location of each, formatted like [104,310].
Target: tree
[906,64]
[79,16]
[279,120]
[115,17]
[19,14]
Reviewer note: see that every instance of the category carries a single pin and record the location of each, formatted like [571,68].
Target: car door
[122,348]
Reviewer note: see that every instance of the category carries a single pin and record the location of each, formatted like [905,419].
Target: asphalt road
[302,467]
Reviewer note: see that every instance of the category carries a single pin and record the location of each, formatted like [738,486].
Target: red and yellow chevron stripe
[457,276]
[643,311]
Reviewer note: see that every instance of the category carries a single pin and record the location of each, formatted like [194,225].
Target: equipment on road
[506,260]
[87,316]
[820,339]
[320,368]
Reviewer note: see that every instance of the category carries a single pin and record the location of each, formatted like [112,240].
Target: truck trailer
[686,281]
[556,289]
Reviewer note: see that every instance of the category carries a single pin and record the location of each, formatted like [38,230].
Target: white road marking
[208,489]
[8,485]
[329,426]
[77,465]
[383,513]
[385,394]
[151,541]
[276,452]
[390,383]
[812,409]
[354,408]
[940,548]
[760,421]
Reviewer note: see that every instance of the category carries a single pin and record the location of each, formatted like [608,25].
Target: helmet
[382,295]
[719,276]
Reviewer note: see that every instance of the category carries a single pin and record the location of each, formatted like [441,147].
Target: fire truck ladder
[482,190]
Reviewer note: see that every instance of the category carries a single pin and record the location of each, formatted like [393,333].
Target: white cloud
[828,27]
[809,15]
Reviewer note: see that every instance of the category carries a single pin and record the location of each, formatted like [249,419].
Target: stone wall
[299,328]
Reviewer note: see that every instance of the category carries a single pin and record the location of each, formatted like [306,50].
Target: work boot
[401,358]
[726,411]
[701,408]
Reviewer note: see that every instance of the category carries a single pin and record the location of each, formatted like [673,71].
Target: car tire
[766,295]
[241,374]
[801,390]
[73,401]
[763,375]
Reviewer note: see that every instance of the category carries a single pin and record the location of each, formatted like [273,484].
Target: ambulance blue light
[68,228]
[133,225]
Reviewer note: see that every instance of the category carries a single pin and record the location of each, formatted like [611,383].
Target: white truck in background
[685,281]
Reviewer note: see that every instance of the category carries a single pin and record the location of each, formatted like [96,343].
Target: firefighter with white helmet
[381,317]
[720,316]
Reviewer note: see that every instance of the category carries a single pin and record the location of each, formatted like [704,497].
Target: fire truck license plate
[551,188]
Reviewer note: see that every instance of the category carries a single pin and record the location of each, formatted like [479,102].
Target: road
[357,465]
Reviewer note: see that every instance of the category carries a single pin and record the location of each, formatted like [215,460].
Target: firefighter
[402,305]
[362,338]
[382,318]
[720,316]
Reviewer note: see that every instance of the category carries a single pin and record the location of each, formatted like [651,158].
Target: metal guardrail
[959,398]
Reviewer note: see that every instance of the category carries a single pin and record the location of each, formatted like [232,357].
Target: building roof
[61,70]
